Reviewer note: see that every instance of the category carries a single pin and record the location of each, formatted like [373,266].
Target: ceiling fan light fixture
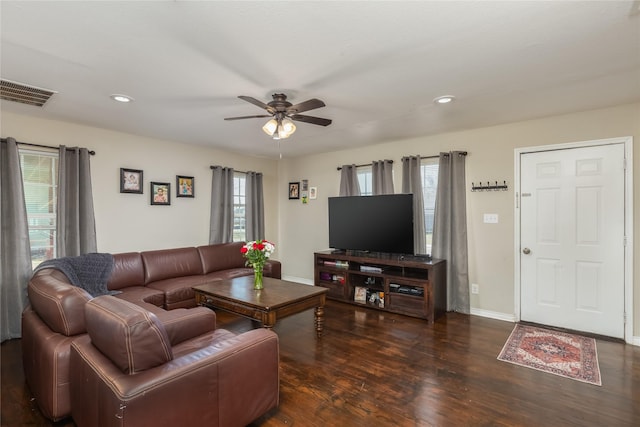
[279,128]
[282,112]
[286,128]
[270,127]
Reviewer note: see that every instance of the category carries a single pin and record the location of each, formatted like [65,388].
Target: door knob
[526,251]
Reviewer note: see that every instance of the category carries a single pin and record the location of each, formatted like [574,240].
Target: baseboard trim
[493,315]
[474,311]
[635,340]
[300,280]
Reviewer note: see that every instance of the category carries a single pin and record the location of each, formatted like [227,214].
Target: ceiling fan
[282,112]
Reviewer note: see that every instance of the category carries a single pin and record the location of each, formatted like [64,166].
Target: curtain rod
[42,146]
[462,153]
[235,170]
[366,164]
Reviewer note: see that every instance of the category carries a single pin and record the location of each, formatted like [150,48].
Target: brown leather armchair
[55,317]
[133,369]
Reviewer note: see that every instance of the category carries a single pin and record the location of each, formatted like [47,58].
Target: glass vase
[257,278]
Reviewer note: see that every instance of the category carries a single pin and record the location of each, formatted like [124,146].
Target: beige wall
[127,222]
[304,228]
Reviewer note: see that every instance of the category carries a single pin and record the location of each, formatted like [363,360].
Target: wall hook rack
[490,187]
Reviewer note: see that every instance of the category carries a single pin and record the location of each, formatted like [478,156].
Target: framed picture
[294,190]
[131,181]
[185,186]
[160,193]
[313,193]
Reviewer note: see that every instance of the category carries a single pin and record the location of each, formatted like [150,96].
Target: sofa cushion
[178,289]
[132,337]
[185,324]
[221,256]
[204,340]
[58,303]
[128,270]
[170,263]
[229,274]
[140,295]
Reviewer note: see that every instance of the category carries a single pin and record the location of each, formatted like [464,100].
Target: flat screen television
[372,223]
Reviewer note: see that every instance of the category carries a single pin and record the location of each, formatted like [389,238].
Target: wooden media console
[410,285]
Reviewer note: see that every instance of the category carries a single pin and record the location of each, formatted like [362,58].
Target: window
[429,174]
[365,180]
[239,207]
[40,181]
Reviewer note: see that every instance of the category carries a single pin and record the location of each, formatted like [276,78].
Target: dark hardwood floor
[379,369]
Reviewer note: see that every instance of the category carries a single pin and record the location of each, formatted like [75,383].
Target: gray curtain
[254,213]
[221,222]
[15,252]
[382,174]
[450,229]
[412,183]
[76,224]
[349,181]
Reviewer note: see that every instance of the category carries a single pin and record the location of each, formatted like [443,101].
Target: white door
[572,238]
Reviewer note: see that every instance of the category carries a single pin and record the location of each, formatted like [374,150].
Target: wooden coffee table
[278,299]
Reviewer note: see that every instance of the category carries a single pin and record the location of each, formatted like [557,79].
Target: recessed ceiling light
[445,99]
[121,98]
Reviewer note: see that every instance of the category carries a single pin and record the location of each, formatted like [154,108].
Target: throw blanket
[90,272]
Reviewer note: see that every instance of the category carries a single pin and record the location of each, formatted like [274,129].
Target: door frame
[628,220]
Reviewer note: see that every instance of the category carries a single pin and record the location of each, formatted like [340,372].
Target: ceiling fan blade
[311,104]
[310,119]
[248,117]
[257,103]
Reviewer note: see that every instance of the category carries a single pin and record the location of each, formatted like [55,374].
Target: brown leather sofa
[165,277]
[134,369]
[155,280]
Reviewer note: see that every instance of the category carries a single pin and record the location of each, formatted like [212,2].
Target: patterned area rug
[567,355]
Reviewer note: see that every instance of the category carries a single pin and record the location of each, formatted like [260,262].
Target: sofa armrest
[248,381]
[103,395]
[183,324]
[58,303]
[45,360]
[273,268]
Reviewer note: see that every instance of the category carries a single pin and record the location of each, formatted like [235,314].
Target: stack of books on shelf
[336,264]
[370,269]
[328,277]
[371,296]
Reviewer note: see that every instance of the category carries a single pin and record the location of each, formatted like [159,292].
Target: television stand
[410,285]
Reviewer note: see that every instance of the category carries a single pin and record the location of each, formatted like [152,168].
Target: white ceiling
[377,65]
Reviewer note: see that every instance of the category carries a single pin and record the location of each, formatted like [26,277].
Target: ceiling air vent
[18,92]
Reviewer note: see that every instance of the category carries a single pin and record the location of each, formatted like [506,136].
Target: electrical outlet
[475,288]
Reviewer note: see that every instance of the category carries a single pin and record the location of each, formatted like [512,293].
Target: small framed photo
[160,193]
[185,186]
[294,190]
[131,181]
[313,193]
